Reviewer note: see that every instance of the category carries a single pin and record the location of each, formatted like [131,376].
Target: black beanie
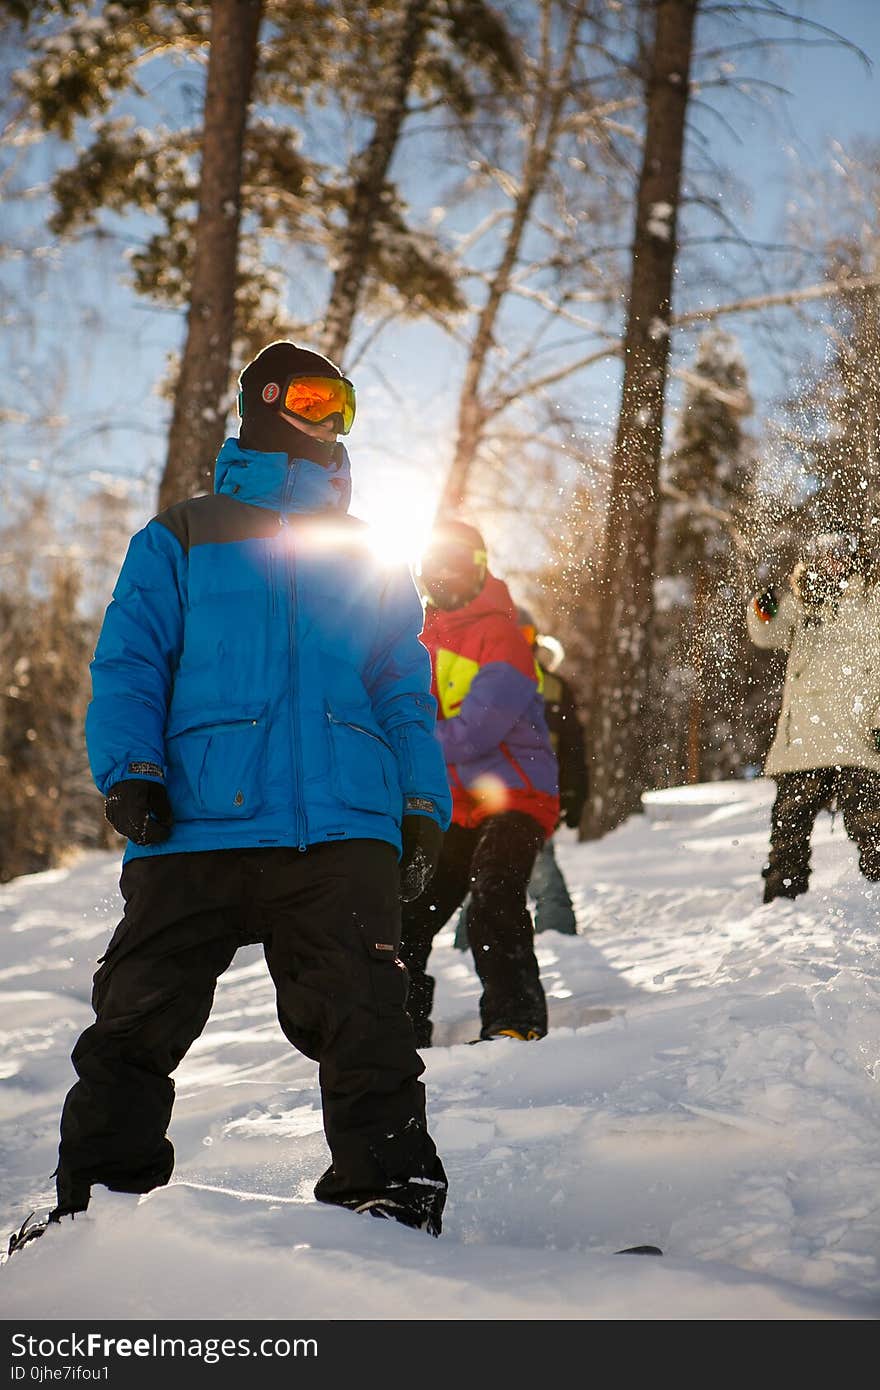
[262,428]
[470,575]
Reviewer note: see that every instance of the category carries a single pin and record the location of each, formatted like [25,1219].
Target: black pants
[329,921]
[493,863]
[800,796]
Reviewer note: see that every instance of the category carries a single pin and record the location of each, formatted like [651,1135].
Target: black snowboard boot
[777,886]
[73,1196]
[525,1032]
[412,1186]
[418,1203]
[73,1193]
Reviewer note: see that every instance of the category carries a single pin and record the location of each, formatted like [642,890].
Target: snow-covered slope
[709,1084]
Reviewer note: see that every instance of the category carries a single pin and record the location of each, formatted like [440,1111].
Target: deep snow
[709,1084]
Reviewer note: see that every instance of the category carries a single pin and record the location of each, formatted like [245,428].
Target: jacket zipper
[530,786]
[273,574]
[406,756]
[796,633]
[347,724]
[218,725]
[293,665]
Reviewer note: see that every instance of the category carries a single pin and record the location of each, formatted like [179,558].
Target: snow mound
[709,1084]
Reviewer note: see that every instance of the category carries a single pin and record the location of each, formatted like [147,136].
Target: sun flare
[398,535]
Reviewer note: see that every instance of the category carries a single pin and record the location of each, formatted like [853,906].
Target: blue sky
[105,375]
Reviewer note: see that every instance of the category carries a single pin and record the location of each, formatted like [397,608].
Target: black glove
[140,811]
[875,739]
[814,585]
[767,605]
[422,840]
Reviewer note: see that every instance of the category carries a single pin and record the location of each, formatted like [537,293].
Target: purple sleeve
[399,683]
[498,697]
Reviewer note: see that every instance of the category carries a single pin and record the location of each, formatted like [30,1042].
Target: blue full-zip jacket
[259,660]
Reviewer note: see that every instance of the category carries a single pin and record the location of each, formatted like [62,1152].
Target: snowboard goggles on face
[315,398]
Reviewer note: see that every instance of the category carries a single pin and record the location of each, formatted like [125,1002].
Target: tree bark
[369,188]
[199,401]
[631,532]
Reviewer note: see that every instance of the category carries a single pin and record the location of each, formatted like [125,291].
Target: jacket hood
[494,597]
[283,484]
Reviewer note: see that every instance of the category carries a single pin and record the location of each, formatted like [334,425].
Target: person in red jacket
[503,776]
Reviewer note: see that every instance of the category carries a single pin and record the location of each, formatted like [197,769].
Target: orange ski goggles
[315,398]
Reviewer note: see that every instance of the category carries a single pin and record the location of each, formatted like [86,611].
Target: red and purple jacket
[490,722]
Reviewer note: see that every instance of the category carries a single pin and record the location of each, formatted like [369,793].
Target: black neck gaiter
[266,432]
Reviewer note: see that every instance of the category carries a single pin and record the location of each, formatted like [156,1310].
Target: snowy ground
[711,1083]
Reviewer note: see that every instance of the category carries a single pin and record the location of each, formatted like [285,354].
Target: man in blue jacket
[262,729]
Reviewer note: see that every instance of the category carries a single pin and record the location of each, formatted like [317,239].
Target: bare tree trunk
[543,135]
[197,421]
[369,189]
[630,538]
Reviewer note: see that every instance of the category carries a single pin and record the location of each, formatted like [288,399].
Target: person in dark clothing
[567,738]
[554,910]
[502,771]
[263,731]
[800,796]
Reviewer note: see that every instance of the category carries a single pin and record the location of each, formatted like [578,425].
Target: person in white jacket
[826,753]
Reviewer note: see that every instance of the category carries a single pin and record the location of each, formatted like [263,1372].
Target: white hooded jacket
[831,699]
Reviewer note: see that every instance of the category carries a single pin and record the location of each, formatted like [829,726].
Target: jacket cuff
[423,806]
[135,769]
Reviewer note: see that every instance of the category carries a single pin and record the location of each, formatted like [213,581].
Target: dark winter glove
[814,586]
[422,839]
[875,739]
[140,811]
[767,605]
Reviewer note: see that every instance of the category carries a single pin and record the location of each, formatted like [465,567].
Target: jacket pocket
[389,982]
[363,768]
[216,767]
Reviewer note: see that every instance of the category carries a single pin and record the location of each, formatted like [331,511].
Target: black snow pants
[492,862]
[329,922]
[800,796]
